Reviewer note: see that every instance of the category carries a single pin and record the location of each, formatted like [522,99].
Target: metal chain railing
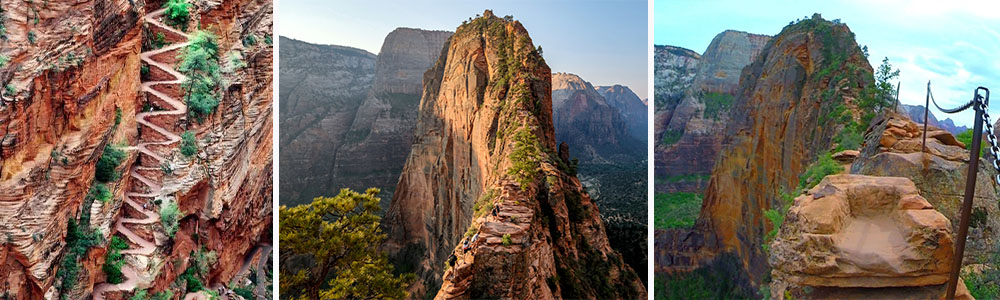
[988,126]
[982,120]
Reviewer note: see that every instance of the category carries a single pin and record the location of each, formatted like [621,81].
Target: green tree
[114,260]
[331,249]
[884,89]
[200,63]
[189,145]
[168,216]
[107,165]
[177,11]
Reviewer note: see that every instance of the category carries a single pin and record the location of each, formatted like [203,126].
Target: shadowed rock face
[776,134]
[352,114]
[488,98]
[690,136]
[633,110]
[321,89]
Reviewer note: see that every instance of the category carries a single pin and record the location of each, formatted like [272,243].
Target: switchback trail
[139,245]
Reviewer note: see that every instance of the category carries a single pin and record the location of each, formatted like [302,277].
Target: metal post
[927,108]
[897,96]
[970,189]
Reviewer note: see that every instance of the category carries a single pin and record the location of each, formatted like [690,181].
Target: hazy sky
[956,47]
[603,41]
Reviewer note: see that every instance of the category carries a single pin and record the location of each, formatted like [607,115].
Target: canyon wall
[691,132]
[484,168]
[351,114]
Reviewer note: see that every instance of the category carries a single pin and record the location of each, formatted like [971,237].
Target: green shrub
[10,90]
[676,210]
[848,138]
[524,157]
[824,165]
[78,240]
[139,295]
[189,145]
[716,104]
[200,63]
[118,116]
[114,260]
[506,239]
[31,37]
[190,276]
[250,40]
[966,138]
[267,39]
[168,216]
[177,11]
[100,192]
[164,295]
[245,293]
[107,165]
[4,60]
[671,137]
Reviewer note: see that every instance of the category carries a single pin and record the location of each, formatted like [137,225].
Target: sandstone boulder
[863,231]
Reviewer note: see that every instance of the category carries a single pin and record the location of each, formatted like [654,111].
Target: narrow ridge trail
[146,247]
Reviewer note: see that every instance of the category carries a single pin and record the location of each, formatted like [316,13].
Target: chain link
[992,140]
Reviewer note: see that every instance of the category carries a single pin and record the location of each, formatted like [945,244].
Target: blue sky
[955,46]
[603,41]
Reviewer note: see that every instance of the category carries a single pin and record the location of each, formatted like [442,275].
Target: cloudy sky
[955,46]
[603,41]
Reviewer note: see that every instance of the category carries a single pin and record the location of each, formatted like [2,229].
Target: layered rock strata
[484,166]
[589,124]
[689,138]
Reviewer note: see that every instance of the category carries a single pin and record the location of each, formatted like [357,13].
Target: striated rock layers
[73,88]
[484,169]
[784,98]
[690,137]
[893,148]
[72,65]
[350,115]
[595,130]
[856,231]
[633,110]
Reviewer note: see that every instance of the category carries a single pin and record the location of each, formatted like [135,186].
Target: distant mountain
[594,128]
[631,107]
[916,113]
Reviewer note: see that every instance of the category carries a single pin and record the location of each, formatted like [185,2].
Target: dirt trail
[141,246]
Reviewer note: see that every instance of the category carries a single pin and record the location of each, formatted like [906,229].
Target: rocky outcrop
[633,110]
[689,138]
[856,231]
[916,113]
[674,70]
[893,148]
[351,120]
[811,67]
[593,128]
[483,168]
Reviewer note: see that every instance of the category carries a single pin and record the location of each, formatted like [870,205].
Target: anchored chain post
[980,105]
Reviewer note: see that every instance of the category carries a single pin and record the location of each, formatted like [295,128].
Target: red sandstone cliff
[484,164]
[73,65]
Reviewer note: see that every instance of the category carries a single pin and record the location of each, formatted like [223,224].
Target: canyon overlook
[111,185]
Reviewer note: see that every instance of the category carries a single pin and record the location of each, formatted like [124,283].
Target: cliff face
[321,90]
[484,168]
[71,66]
[785,98]
[691,135]
[633,110]
[76,83]
[351,114]
[593,128]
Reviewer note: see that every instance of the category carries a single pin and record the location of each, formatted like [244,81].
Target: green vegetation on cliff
[114,260]
[716,104]
[107,166]
[966,138]
[189,145]
[200,63]
[525,157]
[676,210]
[177,13]
[330,250]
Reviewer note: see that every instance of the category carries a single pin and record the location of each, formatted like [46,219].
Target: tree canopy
[330,250]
